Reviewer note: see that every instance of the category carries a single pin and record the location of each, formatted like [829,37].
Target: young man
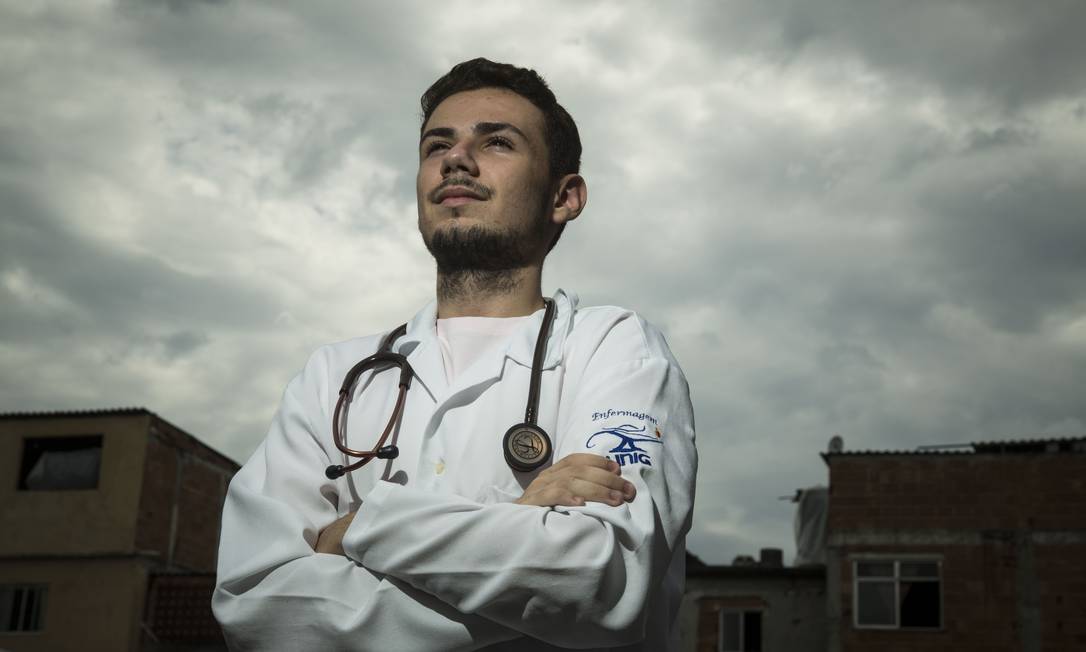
[472,538]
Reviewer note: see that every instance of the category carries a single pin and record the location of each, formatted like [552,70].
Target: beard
[480,260]
[479,249]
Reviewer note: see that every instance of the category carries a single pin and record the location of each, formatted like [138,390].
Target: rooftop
[115,412]
[55,414]
[1009,446]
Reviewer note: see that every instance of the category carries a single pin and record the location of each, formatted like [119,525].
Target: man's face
[483,182]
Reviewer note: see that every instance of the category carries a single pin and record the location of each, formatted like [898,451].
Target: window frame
[41,591]
[57,443]
[742,612]
[897,560]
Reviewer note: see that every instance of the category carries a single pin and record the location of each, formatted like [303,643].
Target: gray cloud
[1005,54]
[854,218]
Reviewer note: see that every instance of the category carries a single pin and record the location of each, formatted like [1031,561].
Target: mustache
[462,182]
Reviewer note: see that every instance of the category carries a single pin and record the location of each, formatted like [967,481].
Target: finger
[586,459]
[603,483]
[597,476]
[591,491]
[606,479]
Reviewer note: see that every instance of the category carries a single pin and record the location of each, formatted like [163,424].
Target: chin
[447,224]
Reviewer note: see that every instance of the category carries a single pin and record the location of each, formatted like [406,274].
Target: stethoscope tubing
[385,355]
[532,408]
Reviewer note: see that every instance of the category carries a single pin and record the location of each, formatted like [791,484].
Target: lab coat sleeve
[275,593]
[572,577]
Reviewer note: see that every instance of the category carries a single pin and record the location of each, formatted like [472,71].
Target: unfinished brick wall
[184,487]
[1010,529]
[972,492]
[979,604]
[203,491]
[1062,596]
[156,497]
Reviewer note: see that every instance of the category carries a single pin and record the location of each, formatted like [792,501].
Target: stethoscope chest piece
[527,447]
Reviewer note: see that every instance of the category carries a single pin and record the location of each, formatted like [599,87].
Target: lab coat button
[439,468]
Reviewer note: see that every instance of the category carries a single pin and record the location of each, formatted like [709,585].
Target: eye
[499,141]
[434,146]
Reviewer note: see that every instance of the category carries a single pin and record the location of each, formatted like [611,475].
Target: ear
[570,196]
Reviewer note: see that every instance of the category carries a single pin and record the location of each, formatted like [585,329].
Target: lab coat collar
[521,347]
[420,345]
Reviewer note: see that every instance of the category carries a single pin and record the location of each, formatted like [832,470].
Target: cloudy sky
[855,217]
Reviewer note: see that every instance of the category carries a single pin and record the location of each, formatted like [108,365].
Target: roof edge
[72,414]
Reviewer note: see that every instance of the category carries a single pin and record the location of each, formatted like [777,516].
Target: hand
[330,540]
[576,479]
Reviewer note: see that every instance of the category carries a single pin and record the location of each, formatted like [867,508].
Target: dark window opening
[60,463]
[21,607]
[920,604]
[752,631]
[740,631]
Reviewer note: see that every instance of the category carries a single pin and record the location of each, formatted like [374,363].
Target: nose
[458,158]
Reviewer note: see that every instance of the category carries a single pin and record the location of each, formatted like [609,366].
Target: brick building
[109,524]
[761,606]
[977,548]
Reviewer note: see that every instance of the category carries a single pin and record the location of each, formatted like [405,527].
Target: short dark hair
[559,129]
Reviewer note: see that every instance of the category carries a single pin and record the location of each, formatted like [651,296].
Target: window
[60,463]
[21,607]
[898,593]
[740,631]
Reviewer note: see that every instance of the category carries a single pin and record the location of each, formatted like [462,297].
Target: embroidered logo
[627,451]
[608,413]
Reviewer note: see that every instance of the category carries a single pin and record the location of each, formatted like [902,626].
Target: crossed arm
[498,572]
[571,482]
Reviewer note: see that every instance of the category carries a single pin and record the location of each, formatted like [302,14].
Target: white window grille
[902,593]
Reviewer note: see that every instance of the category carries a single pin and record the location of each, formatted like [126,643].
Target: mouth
[457,195]
[457,199]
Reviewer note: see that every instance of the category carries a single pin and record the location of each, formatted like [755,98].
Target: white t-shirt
[464,340]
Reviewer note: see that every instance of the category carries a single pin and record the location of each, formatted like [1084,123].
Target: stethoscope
[526,446]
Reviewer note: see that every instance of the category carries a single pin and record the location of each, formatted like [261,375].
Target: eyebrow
[481,128]
[484,128]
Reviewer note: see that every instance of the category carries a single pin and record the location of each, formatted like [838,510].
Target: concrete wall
[793,606]
[1010,530]
[91,604]
[93,521]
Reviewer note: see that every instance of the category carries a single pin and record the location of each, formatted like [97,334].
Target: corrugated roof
[1047,445]
[915,451]
[124,411]
[1042,445]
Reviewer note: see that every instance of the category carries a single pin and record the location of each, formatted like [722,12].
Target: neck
[502,293]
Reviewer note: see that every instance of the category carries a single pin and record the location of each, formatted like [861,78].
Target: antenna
[837,444]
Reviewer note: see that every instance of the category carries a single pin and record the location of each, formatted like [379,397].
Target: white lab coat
[438,556]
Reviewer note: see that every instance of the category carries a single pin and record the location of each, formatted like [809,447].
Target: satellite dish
[836,444]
